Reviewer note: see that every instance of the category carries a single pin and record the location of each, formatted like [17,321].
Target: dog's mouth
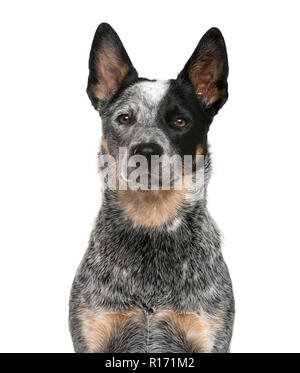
[163,179]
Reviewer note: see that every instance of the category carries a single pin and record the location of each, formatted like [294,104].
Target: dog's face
[151,117]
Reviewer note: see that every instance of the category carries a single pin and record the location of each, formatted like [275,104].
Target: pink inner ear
[110,71]
[204,75]
[203,81]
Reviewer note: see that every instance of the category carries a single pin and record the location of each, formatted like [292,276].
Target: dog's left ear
[207,71]
[109,66]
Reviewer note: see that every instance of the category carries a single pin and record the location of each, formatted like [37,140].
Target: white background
[50,189]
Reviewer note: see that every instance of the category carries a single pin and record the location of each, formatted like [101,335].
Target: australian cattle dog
[153,278]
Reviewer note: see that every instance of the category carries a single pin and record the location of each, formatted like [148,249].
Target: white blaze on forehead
[153,92]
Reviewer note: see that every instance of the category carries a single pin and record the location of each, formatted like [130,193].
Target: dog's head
[150,117]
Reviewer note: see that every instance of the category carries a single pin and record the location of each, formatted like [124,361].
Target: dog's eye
[180,122]
[124,119]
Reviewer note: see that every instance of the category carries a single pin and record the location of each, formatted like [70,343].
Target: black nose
[147,149]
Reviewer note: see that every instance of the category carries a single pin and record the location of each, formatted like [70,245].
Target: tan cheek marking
[97,326]
[200,330]
[151,208]
[199,150]
[105,146]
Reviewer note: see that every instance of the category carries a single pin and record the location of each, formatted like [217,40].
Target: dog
[153,278]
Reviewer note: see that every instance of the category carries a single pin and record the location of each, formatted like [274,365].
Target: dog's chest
[153,270]
[188,283]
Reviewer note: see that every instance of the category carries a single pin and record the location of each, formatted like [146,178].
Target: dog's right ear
[109,66]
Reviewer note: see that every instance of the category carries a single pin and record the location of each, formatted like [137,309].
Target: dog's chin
[151,183]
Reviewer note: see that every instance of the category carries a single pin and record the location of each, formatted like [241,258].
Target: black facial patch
[180,102]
